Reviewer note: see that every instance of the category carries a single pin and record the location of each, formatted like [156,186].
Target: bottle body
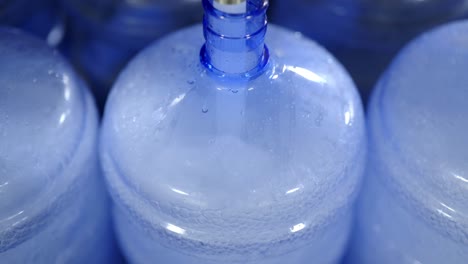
[414,205]
[215,169]
[105,35]
[54,207]
[77,228]
[365,35]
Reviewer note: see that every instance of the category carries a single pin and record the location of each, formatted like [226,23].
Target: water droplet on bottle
[318,120]
[191,82]
[204,109]
[234,90]
[34,80]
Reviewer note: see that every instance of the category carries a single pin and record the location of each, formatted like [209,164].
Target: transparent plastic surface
[208,168]
[53,205]
[106,34]
[365,35]
[414,208]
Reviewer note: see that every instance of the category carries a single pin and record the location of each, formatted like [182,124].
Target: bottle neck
[235,36]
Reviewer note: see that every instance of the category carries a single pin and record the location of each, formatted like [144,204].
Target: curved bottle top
[133,22]
[42,115]
[419,121]
[212,157]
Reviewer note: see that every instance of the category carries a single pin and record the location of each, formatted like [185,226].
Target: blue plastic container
[104,35]
[414,208]
[238,153]
[365,34]
[53,204]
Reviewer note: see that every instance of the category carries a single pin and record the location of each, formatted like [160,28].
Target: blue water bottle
[414,208]
[235,148]
[39,17]
[105,34]
[365,34]
[53,204]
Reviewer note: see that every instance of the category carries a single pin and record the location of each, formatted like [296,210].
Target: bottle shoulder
[174,129]
[44,113]
[170,69]
[418,120]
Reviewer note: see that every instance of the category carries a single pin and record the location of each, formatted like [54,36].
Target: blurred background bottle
[39,17]
[104,34]
[53,203]
[414,206]
[365,34]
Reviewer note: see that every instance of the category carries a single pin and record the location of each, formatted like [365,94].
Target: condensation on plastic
[207,167]
[414,208]
[52,205]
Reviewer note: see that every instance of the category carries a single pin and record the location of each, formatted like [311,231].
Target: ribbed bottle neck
[235,31]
